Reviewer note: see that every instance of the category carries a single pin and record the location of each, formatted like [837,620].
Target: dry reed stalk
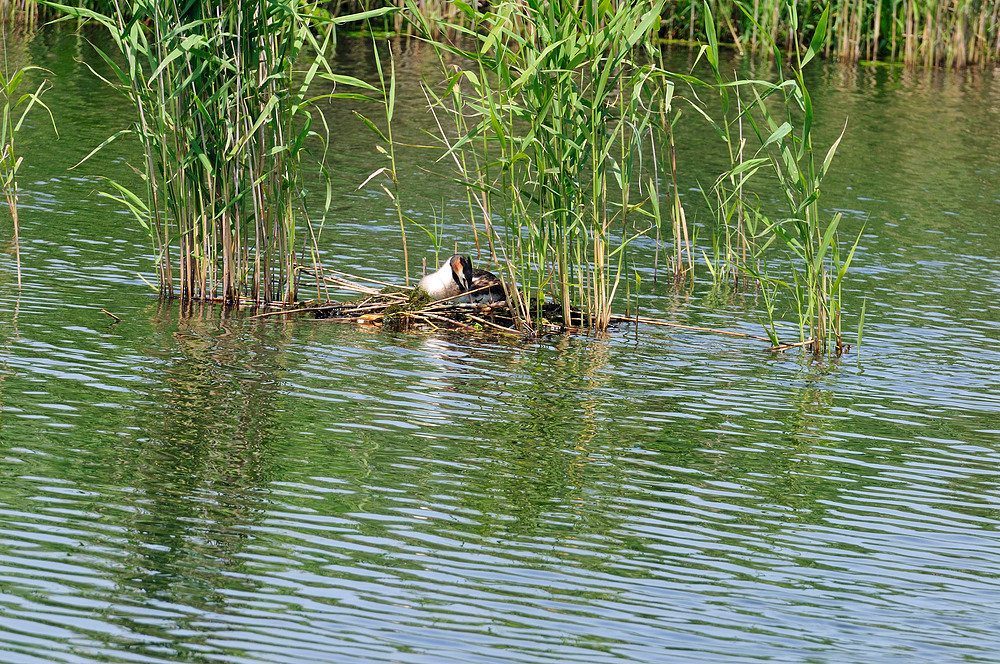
[343,283]
[876,26]
[443,319]
[909,32]
[931,24]
[780,348]
[283,312]
[892,52]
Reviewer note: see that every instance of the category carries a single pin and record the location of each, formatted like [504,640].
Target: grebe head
[461,271]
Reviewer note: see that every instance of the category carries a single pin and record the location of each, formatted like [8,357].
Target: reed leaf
[223,112]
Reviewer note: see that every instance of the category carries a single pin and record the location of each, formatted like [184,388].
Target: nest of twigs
[397,308]
[400,308]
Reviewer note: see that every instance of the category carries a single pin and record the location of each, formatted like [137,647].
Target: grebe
[457,276]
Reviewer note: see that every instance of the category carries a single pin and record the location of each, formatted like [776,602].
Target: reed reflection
[204,455]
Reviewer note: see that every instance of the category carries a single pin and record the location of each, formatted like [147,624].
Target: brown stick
[463,306]
[343,283]
[502,329]
[447,320]
[423,318]
[372,281]
[446,299]
[350,276]
[780,348]
[117,319]
[267,314]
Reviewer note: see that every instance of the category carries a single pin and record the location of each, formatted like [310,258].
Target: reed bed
[227,123]
[553,126]
[556,115]
[951,33]
[772,133]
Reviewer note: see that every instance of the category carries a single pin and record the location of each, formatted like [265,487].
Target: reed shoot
[783,132]
[15,106]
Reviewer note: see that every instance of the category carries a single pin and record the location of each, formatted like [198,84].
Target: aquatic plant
[227,124]
[956,33]
[952,33]
[14,107]
[784,135]
[552,138]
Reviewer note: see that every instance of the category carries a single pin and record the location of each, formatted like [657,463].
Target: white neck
[441,283]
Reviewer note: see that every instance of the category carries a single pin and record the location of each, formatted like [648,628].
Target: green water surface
[188,485]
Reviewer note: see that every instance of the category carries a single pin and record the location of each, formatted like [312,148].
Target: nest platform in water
[401,308]
[396,308]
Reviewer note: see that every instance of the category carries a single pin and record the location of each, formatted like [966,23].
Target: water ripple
[189,485]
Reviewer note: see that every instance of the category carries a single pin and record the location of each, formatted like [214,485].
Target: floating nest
[398,308]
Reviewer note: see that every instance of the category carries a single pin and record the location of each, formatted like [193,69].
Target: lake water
[188,485]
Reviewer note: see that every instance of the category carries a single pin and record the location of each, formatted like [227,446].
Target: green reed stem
[14,107]
[226,121]
[556,112]
[785,135]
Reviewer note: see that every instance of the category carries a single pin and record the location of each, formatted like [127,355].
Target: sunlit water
[188,485]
